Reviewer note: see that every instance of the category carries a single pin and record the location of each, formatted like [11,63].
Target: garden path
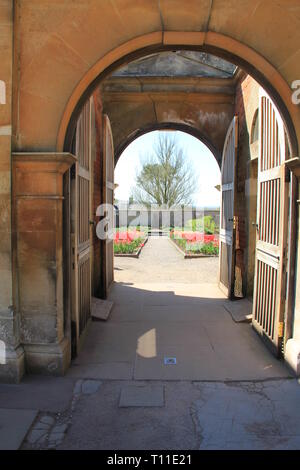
[160,261]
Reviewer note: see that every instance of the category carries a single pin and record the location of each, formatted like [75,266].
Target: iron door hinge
[280,329]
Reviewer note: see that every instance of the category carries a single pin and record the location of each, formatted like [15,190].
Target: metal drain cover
[169,361]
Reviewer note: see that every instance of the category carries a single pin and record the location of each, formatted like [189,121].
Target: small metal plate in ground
[101,308]
[14,425]
[168,361]
[142,395]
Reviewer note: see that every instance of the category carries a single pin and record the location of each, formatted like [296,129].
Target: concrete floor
[226,391]
[168,306]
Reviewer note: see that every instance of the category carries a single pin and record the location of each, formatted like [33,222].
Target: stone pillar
[38,225]
[11,353]
[292,347]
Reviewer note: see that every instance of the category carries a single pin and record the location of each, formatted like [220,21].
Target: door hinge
[280,329]
[235,222]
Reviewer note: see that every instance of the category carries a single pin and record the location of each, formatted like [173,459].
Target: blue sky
[203,161]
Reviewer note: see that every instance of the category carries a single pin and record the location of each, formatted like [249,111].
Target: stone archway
[218,44]
[55,56]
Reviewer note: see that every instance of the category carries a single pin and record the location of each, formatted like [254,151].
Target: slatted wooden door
[108,198]
[269,287]
[81,233]
[226,269]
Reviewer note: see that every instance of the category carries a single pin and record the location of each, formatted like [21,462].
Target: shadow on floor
[151,322]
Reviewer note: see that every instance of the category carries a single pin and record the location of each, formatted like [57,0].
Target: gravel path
[160,261]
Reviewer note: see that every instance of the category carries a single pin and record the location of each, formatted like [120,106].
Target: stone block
[5,290]
[39,328]
[11,363]
[48,359]
[137,395]
[9,329]
[292,355]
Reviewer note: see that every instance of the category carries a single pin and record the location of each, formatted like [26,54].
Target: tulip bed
[196,243]
[128,242]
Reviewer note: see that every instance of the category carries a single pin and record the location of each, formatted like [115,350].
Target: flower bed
[129,243]
[194,244]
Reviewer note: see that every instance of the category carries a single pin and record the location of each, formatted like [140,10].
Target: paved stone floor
[168,306]
[226,391]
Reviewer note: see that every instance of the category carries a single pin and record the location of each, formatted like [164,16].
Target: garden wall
[159,219]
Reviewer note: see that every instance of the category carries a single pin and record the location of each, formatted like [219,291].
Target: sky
[200,157]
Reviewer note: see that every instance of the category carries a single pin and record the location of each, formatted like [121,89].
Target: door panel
[81,234]
[269,283]
[108,198]
[227,230]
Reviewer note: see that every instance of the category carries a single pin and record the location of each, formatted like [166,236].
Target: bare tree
[167,178]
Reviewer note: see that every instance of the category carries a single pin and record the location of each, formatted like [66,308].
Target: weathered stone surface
[138,395]
[39,212]
[37,435]
[48,394]
[240,310]
[11,358]
[14,425]
[204,107]
[12,363]
[90,386]
[56,438]
[48,420]
[101,308]
[46,85]
[201,415]
[292,355]
[177,64]
[58,429]
[48,358]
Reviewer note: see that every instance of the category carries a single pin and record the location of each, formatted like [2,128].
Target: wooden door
[269,284]
[108,199]
[227,228]
[81,232]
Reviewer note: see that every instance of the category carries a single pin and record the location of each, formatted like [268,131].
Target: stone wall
[296,329]
[81,39]
[11,353]
[38,199]
[158,219]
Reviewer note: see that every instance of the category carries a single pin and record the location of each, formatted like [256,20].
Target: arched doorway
[118,57]
[228,189]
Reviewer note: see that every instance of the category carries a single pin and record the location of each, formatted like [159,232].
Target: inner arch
[167,126]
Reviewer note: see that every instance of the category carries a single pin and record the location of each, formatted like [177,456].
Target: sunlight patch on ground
[147,344]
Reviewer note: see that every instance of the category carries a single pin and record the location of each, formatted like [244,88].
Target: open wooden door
[80,227]
[227,228]
[108,199]
[270,278]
